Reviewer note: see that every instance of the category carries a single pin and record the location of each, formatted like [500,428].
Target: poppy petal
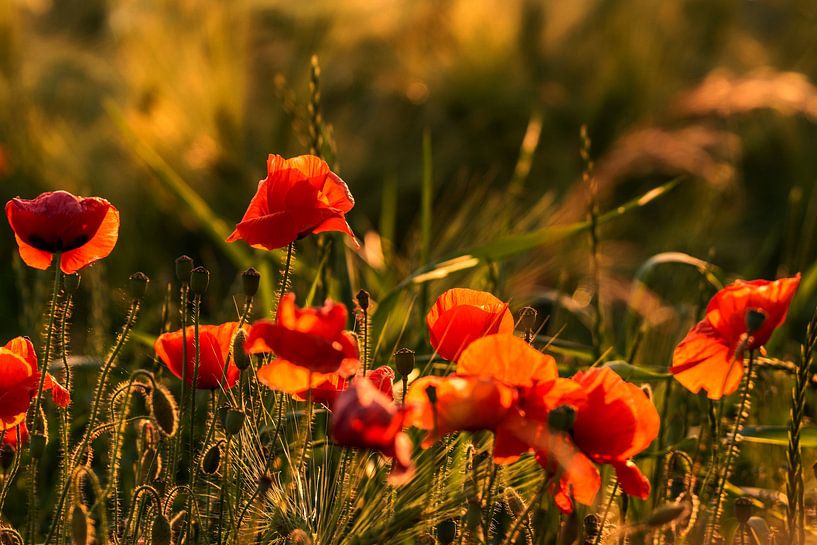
[31,256]
[631,480]
[507,359]
[704,360]
[98,247]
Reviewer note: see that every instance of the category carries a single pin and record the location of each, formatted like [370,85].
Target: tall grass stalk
[795,490]
[593,232]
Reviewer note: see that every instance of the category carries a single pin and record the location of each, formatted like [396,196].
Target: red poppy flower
[299,196]
[312,338]
[19,380]
[10,435]
[614,421]
[81,230]
[711,355]
[460,316]
[366,418]
[215,343]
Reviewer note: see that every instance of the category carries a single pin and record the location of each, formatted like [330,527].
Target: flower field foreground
[296,426]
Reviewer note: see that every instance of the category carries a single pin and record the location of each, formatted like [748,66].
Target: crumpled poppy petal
[703,360]
[507,359]
[59,394]
[631,480]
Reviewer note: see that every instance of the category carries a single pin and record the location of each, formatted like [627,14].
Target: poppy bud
[666,514]
[199,280]
[211,460]
[446,531]
[70,283]
[592,527]
[36,445]
[527,318]
[743,509]
[754,320]
[161,533]
[79,525]
[164,411]
[241,358]
[137,285]
[250,279]
[184,266]
[404,361]
[562,418]
[363,299]
[6,457]
[234,421]
[431,392]
[299,537]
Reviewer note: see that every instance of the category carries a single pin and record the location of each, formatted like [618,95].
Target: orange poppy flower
[10,435]
[81,230]
[215,343]
[19,380]
[711,355]
[299,196]
[312,338]
[364,417]
[462,404]
[460,316]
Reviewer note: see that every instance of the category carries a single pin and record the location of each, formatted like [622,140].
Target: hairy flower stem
[308,432]
[95,410]
[513,534]
[64,422]
[606,514]
[285,276]
[34,427]
[222,497]
[178,447]
[795,511]
[732,449]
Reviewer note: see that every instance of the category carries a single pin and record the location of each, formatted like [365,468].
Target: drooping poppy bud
[363,299]
[161,533]
[211,459]
[164,410]
[234,421]
[242,359]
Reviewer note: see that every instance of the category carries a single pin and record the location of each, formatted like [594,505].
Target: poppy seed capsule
[562,418]
[164,411]
[36,445]
[241,358]
[446,531]
[527,318]
[199,280]
[363,299]
[184,266]
[743,509]
[70,283]
[754,320]
[211,460]
[404,361]
[137,285]
[264,483]
[250,280]
[161,533]
[234,421]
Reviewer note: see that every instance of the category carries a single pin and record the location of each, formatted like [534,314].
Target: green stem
[178,447]
[35,424]
[285,277]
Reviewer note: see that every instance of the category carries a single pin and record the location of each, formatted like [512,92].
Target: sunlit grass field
[600,173]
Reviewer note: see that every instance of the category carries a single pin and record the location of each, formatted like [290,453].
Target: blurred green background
[116,97]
